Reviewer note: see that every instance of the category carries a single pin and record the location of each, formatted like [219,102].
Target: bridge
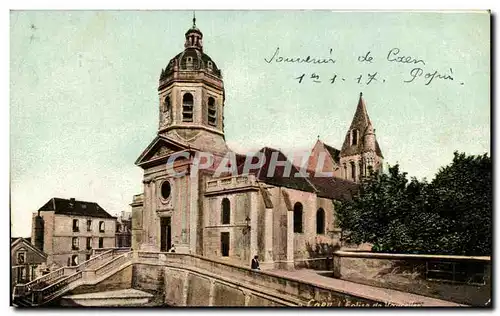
[121,277]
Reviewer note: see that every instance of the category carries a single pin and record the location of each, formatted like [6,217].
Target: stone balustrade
[268,288]
[58,281]
[24,289]
[230,183]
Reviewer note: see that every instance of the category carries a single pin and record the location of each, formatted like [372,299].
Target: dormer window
[187,107]
[209,65]
[354,137]
[189,60]
[212,112]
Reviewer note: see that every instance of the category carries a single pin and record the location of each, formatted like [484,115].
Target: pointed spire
[194,19]
[353,143]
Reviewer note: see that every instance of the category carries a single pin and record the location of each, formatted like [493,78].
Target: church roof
[75,208]
[327,187]
[334,152]
[334,188]
[278,177]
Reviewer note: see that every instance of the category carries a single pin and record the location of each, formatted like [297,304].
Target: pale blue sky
[83,91]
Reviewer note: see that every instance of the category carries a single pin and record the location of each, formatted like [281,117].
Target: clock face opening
[165,190]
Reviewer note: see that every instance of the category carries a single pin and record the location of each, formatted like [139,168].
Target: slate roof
[278,177]
[328,187]
[26,242]
[334,188]
[334,152]
[75,207]
[28,239]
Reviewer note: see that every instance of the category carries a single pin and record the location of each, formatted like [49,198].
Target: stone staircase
[49,287]
[118,298]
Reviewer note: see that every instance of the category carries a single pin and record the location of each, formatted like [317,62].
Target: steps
[119,298]
[49,287]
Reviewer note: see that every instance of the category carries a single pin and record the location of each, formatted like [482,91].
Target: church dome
[192,58]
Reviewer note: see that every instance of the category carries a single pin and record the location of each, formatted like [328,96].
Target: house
[27,262]
[67,230]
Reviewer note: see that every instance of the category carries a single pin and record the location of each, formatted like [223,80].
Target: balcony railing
[227,183]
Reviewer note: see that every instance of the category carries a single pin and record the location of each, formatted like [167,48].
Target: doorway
[165,234]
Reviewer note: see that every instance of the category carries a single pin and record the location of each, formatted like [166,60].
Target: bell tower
[360,151]
[191,97]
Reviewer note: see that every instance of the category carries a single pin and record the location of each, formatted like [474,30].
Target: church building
[287,221]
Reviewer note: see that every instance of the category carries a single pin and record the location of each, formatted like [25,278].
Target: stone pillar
[289,241]
[193,214]
[247,297]
[184,197]
[147,240]
[154,222]
[185,289]
[253,224]
[268,240]
[211,293]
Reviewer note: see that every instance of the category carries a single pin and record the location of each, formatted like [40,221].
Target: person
[172,249]
[255,263]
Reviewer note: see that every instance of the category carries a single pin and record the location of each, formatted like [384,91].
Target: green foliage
[450,215]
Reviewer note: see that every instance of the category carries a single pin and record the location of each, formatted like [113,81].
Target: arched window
[354,137]
[226,211]
[187,107]
[320,221]
[166,105]
[353,171]
[212,112]
[297,218]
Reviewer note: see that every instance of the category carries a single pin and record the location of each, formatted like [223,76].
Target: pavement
[128,293]
[388,296]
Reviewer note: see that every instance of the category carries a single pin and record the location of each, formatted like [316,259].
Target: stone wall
[149,278]
[408,273]
[119,281]
[191,280]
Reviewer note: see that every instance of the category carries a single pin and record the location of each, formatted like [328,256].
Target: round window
[165,189]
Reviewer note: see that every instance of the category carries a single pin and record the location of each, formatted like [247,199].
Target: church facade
[258,210]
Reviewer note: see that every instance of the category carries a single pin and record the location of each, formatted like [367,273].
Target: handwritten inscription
[361,79]
[299,60]
[412,67]
[429,76]
[394,56]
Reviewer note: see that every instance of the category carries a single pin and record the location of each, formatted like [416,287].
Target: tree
[463,198]
[450,215]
